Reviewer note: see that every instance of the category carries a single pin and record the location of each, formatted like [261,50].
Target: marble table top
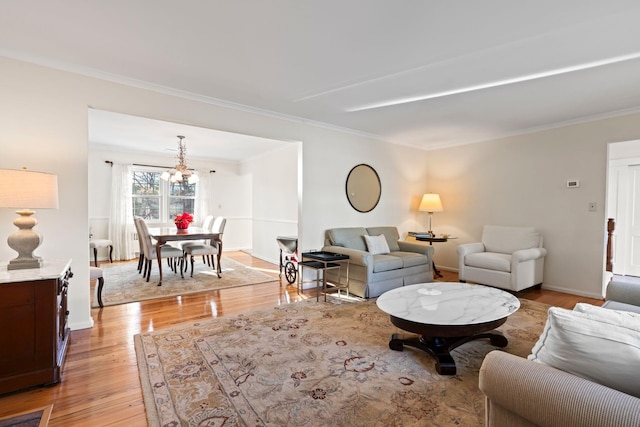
[448,303]
[52,269]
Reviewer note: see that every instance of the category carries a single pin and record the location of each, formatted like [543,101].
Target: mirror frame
[363,180]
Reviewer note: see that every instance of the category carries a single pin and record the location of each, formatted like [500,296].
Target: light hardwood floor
[100,385]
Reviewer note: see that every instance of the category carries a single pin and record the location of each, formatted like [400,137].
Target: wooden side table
[425,237]
[35,333]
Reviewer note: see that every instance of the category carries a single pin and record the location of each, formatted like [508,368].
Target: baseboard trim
[572,292]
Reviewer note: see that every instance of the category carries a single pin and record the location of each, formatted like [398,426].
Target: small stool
[98,244]
[95,273]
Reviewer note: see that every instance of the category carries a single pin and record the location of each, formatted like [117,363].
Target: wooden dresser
[34,333]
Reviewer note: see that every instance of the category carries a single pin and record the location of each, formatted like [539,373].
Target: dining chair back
[174,255]
[209,248]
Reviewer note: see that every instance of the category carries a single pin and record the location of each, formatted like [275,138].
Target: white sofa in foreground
[582,372]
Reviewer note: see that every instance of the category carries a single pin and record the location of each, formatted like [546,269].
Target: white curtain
[204,196]
[121,227]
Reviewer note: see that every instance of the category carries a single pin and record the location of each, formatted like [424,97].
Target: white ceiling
[421,73]
[123,132]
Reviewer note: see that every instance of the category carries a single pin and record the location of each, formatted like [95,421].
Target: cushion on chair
[376,244]
[390,234]
[350,237]
[95,273]
[507,240]
[601,347]
[621,306]
[100,243]
[489,261]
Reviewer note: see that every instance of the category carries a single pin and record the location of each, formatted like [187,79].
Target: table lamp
[23,189]
[430,203]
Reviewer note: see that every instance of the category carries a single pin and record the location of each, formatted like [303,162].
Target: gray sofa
[371,275]
[520,392]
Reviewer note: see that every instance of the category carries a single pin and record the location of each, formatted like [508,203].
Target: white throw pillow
[627,318]
[596,348]
[377,244]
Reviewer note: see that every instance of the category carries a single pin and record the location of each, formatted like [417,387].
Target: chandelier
[181,172]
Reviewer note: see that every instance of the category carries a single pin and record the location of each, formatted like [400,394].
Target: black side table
[322,260]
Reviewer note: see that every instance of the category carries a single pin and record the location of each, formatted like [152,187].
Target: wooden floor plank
[100,385]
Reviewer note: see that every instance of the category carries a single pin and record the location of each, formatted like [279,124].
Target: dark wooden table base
[440,348]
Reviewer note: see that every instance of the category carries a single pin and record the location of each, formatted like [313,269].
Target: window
[159,201]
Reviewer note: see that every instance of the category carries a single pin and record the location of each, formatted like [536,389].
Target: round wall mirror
[363,188]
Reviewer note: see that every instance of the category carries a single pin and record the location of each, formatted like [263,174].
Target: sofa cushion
[600,348]
[376,244]
[390,233]
[489,260]
[350,237]
[386,263]
[621,306]
[411,259]
[624,317]
[507,240]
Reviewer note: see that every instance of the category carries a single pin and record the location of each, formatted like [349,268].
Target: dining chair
[208,249]
[96,244]
[166,251]
[136,222]
[95,273]
[206,225]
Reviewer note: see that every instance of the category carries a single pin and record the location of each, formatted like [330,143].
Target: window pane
[182,189]
[177,206]
[147,208]
[146,183]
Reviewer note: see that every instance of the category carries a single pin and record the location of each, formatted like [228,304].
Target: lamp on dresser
[430,203]
[24,189]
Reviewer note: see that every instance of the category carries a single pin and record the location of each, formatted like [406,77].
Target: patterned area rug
[313,364]
[123,284]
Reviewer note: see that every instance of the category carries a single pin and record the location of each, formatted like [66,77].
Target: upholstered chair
[175,255]
[95,273]
[96,244]
[510,258]
[208,249]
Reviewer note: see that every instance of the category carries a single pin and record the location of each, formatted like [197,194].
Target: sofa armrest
[356,256]
[419,248]
[623,291]
[528,254]
[469,248]
[522,392]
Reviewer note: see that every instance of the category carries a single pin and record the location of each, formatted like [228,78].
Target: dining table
[162,235]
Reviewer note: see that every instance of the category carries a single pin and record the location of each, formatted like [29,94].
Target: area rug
[34,418]
[123,283]
[313,364]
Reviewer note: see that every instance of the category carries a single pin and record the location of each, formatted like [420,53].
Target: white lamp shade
[27,189]
[430,203]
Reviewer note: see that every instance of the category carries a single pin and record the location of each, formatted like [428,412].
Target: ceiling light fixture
[181,172]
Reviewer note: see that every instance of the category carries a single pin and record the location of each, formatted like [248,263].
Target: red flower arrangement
[183,220]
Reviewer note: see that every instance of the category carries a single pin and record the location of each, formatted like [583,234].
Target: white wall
[522,181]
[231,194]
[274,199]
[44,126]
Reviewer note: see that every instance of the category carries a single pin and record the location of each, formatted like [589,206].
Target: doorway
[623,205]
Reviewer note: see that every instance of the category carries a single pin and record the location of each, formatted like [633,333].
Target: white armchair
[510,258]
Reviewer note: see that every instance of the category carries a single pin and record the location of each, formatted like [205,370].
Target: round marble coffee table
[447,315]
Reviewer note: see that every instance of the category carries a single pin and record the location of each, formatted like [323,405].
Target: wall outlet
[593,206]
[573,183]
